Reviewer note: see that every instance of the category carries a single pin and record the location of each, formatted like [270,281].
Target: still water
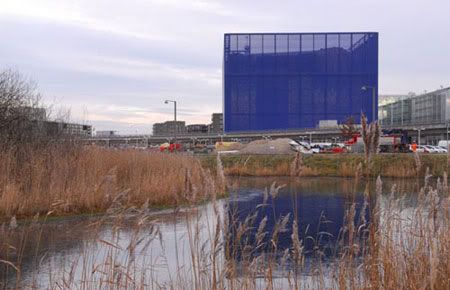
[157,247]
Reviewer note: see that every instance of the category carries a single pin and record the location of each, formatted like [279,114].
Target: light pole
[175,125]
[418,137]
[446,139]
[365,88]
[446,143]
[402,99]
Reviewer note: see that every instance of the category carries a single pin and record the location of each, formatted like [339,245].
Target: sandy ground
[277,146]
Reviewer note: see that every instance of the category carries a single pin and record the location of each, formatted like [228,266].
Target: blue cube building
[282,81]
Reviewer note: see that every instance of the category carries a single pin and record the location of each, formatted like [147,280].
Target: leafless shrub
[348,128]
[19,109]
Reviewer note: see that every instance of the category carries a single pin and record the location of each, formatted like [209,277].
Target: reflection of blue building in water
[294,80]
[320,218]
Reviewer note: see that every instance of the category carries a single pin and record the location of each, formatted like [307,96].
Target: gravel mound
[277,146]
[228,146]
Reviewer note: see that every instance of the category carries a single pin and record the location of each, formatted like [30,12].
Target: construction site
[310,88]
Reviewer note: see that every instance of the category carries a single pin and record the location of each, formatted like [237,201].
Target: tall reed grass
[393,246]
[68,179]
[387,245]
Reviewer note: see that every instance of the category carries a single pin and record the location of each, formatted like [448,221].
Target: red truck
[170,147]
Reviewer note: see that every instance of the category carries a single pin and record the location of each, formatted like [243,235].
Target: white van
[444,143]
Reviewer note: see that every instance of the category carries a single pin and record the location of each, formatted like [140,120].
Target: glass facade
[429,108]
[396,113]
[293,80]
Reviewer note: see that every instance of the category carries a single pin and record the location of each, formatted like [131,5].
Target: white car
[430,149]
[439,149]
[301,147]
[443,148]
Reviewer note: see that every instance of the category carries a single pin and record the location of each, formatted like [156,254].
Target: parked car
[443,143]
[430,149]
[301,147]
[443,148]
[439,149]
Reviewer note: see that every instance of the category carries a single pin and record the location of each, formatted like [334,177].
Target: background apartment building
[425,109]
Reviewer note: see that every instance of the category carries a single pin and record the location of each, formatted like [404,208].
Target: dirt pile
[228,146]
[277,146]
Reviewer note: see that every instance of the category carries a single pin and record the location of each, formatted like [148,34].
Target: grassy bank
[91,180]
[67,181]
[341,165]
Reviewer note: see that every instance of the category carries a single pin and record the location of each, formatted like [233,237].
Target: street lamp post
[418,137]
[174,118]
[402,107]
[446,143]
[446,140]
[365,88]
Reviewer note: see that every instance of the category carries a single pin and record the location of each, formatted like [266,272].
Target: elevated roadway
[428,134]
[148,140]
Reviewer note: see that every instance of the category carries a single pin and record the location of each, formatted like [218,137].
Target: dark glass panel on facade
[292,81]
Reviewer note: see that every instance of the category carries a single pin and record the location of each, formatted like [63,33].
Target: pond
[252,228]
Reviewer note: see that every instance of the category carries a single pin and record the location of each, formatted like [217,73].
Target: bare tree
[348,128]
[19,107]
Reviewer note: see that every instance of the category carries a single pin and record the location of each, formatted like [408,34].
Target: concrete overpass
[428,134]
[148,140]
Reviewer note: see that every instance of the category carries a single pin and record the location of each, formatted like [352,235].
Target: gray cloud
[114,62]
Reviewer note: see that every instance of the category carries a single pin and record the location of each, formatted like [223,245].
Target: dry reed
[90,179]
[371,137]
[398,247]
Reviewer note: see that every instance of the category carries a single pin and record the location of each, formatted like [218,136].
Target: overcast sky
[114,62]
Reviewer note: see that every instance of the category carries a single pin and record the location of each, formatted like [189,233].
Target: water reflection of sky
[318,205]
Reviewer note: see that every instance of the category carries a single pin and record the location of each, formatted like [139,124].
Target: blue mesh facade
[293,80]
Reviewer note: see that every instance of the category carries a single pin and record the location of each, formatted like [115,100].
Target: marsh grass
[68,180]
[387,246]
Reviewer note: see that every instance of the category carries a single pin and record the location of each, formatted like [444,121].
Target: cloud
[143,69]
[114,62]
